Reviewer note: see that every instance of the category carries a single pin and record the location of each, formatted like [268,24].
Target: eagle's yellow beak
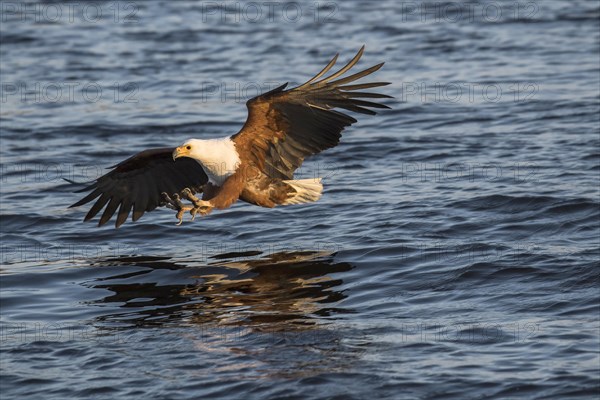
[180,151]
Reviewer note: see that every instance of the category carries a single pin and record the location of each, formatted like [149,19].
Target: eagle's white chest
[219,159]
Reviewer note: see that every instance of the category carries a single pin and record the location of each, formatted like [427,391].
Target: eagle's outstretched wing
[285,126]
[139,181]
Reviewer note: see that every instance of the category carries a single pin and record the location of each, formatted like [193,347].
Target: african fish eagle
[255,165]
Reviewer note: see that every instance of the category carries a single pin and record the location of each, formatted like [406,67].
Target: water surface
[454,253]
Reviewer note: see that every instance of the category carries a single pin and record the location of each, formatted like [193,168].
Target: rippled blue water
[454,253]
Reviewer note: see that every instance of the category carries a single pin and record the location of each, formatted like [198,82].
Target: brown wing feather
[138,183]
[286,126]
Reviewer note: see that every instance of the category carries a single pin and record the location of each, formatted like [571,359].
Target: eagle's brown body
[249,185]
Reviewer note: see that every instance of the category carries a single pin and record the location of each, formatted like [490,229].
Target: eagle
[256,165]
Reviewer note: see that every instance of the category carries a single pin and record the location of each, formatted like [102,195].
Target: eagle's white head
[218,157]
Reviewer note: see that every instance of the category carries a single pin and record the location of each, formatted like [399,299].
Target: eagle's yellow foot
[182,211]
[200,206]
[175,203]
[202,210]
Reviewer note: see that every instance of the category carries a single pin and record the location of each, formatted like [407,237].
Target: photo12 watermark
[261,12]
[33,172]
[68,92]
[466,11]
[13,253]
[234,91]
[217,251]
[23,332]
[470,332]
[70,12]
[469,251]
[468,171]
[467,92]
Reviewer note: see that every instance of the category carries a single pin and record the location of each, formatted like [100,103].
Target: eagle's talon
[179,216]
[181,212]
[203,209]
[178,201]
[167,201]
[175,203]
[187,193]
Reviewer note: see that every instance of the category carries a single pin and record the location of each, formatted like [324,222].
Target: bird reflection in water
[242,312]
[279,292]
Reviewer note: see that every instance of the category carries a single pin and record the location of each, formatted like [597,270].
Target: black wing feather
[138,183]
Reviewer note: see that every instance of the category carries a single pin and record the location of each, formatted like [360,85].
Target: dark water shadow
[278,292]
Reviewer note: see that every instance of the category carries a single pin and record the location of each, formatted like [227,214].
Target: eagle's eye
[189,147]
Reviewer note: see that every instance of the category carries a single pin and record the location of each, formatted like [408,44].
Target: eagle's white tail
[307,191]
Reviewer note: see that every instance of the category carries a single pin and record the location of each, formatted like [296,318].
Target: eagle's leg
[200,206]
[176,204]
